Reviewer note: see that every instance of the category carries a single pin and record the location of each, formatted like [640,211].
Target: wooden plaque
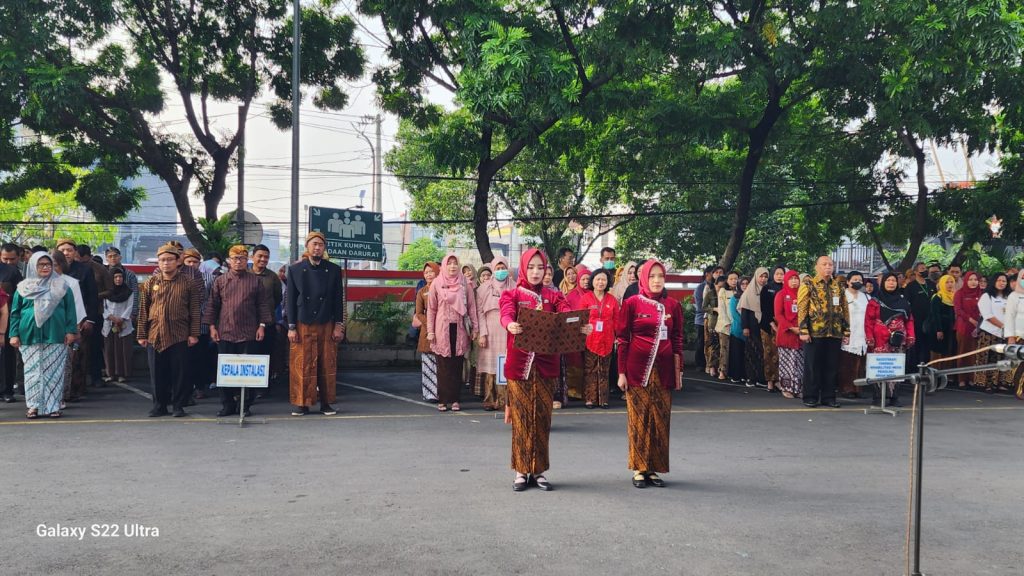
[552,332]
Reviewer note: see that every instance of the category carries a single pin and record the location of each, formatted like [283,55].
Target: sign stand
[242,371]
[882,366]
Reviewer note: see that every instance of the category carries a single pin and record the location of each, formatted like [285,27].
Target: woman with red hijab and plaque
[531,377]
[650,339]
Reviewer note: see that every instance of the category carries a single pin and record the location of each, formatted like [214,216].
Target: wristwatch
[263,324]
[291,326]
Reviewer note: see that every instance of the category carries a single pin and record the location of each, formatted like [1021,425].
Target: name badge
[664,333]
[599,327]
[835,300]
[795,309]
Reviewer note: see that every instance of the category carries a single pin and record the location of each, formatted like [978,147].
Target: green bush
[383,318]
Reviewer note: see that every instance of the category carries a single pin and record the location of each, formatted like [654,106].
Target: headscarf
[451,286]
[524,263]
[946,295]
[581,271]
[644,277]
[892,303]
[967,291]
[791,292]
[621,281]
[120,293]
[547,268]
[437,271]
[751,298]
[474,272]
[488,295]
[46,293]
[566,287]
[1020,282]
[772,284]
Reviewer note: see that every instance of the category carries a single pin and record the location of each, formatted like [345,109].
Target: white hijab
[46,293]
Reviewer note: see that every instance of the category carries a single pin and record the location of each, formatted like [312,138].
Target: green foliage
[98,77]
[383,318]
[219,235]
[418,253]
[44,206]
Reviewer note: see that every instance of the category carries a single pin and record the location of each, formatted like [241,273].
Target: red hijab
[970,292]
[786,290]
[524,263]
[644,277]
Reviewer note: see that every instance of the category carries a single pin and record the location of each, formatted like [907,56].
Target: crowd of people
[68,320]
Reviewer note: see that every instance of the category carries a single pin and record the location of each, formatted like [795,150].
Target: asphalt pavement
[759,485]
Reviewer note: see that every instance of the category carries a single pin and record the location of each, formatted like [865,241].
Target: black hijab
[120,293]
[892,303]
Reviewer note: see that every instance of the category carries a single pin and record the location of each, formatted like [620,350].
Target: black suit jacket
[90,294]
[314,293]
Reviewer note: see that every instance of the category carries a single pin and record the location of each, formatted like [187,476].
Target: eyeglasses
[239,258]
[44,265]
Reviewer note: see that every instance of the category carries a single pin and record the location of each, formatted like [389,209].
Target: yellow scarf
[946,295]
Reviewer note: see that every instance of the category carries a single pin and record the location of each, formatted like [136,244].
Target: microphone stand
[931,379]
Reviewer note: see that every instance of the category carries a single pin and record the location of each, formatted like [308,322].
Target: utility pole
[240,211]
[377,172]
[296,80]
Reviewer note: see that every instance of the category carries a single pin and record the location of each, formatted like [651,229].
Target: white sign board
[500,374]
[243,371]
[886,365]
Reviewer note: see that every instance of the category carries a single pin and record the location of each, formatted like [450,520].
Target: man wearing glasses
[239,315]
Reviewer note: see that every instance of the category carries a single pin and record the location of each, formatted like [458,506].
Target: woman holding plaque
[531,377]
[650,339]
[451,327]
[493,340]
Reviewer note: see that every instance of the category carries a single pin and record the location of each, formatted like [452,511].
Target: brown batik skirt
[648,413]
[495,395]
[530,406]
[771,357]
[992,378]
[596,375]
[710,346]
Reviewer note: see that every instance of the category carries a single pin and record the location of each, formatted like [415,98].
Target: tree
[515,70]
[91,74]
[34,214]
[418,253]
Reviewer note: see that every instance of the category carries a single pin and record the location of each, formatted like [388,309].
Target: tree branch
[437,55]
[581,70]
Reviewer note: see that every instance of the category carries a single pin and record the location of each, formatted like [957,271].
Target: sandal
[55,414]
[787,395]
[456,407]
[32,414]
[442,408]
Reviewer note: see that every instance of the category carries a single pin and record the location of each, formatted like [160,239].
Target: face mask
[856,285]
[609,264]
[501,275]
[934,276]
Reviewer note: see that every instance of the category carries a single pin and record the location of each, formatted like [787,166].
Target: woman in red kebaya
[531,377]
[575,374]
[604,312]
[787,337]
[650,338]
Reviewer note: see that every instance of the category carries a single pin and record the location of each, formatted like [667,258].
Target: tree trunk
[921,210]
[480,212]
[211,200]
[755,150]
[179,191]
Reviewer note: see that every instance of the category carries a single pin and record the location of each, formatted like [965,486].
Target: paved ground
[760,486]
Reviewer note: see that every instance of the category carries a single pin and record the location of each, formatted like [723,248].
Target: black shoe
[760,385]
[895,402]
[327,410]
[247,413]
[520,484]
[832,404]
[179,413]
[590,406]
[227,412]
[9,399]
[639,481]
[157,412]
[653,480]
[543,483]
[300,411]
[811,404]
[605,406]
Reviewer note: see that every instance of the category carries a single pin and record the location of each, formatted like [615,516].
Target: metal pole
[241,411]
[240,211]
[378,192]
[296,76]
[918,454]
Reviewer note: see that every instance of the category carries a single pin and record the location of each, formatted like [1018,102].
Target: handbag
[897,338]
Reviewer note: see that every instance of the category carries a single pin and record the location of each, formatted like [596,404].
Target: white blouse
[118,310]
[858,306]
[992,307]
[1014,323]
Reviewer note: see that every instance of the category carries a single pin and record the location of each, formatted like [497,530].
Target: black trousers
[267,347]
[8,369]
[96,355]
[821,369]
[202,364]
[227,395]
[699,358]
[168,369]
